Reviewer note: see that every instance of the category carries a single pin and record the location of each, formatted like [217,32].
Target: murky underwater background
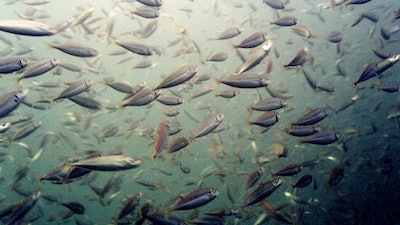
[369,128]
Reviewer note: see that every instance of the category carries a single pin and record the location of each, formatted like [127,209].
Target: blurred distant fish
[299,60]
[26,27]
[75,207]
[335,37]
[161,138]
[22,209]
[253,177]
[275,4]
[313,116]
[11,65]
[336,176]
[269,104]
[143,97]
[85,102]
[146,12]
[229,33]
[374,68]
[217,57]
[356,2]
[149,29]
[153,3]
[285,21]
[75,49]
[267,119]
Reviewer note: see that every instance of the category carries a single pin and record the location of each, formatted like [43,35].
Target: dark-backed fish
[76,49]
[252,41]
[11,65]
[196,199]
[11,100]
[262,191]
[245,81]
[39,68]
[108,163]
[181,75]
[323,137]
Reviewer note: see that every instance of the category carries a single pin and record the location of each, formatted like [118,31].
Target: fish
[269,104]
[245,81]
[136,48]
[252,41]
[4,126]
[149,29]
[208,126]
[143,97]
[157,218]
[218,57]
[335,37]
[289,170]
[262,191]
[196,199]
[322,137]
[253,177]
[336,176]
[75,207]
[255,58]
[27,27]
[130,205]
[356,2]
[108,163]
[299,59]
[76,49]
[11,65]
[396,15]
[11,100]
[181,75]
[285,21]
[303,181]
[161,138]
[275,4]
[227,93]
[151,3]
[312,117]
[301,131]
[267,119]
[86,102]
[39,68]
[146,12]
[26,130]
[170,100]
[22,208]
[74,89]
[171,112]
[177,144]
[229,33]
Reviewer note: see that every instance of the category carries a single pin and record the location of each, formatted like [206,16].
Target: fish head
[267,46]
[23,62]
[394,58]
[277,182]
[219,117]
[20,94]
[54,62]
[263,81]
[5,125]
[214,192]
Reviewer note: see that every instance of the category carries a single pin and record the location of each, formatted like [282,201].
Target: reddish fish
[162,138]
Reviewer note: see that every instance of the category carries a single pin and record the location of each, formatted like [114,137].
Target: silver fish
[183,74]
[208,126]
[245,81]
[252,41]
[75,89]
[108,163]
[267,119]
[269,104]
[323,137]
[253,177]
[177,144]
[217,57]
[153,3]
[39,68]
[262,191]
[170,100]
[26,130]
[255,58]
[26,27]
[285,21]
[10,101]
[86,102]
[275,4]
[22,209]
[146,12]
[4,127]
[76,49]
[312,117]
[149,29]
[137,48]
[11,65]
[229,33]
[196,199]
[143,97]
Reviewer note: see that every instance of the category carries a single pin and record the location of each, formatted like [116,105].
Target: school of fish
[199,112]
